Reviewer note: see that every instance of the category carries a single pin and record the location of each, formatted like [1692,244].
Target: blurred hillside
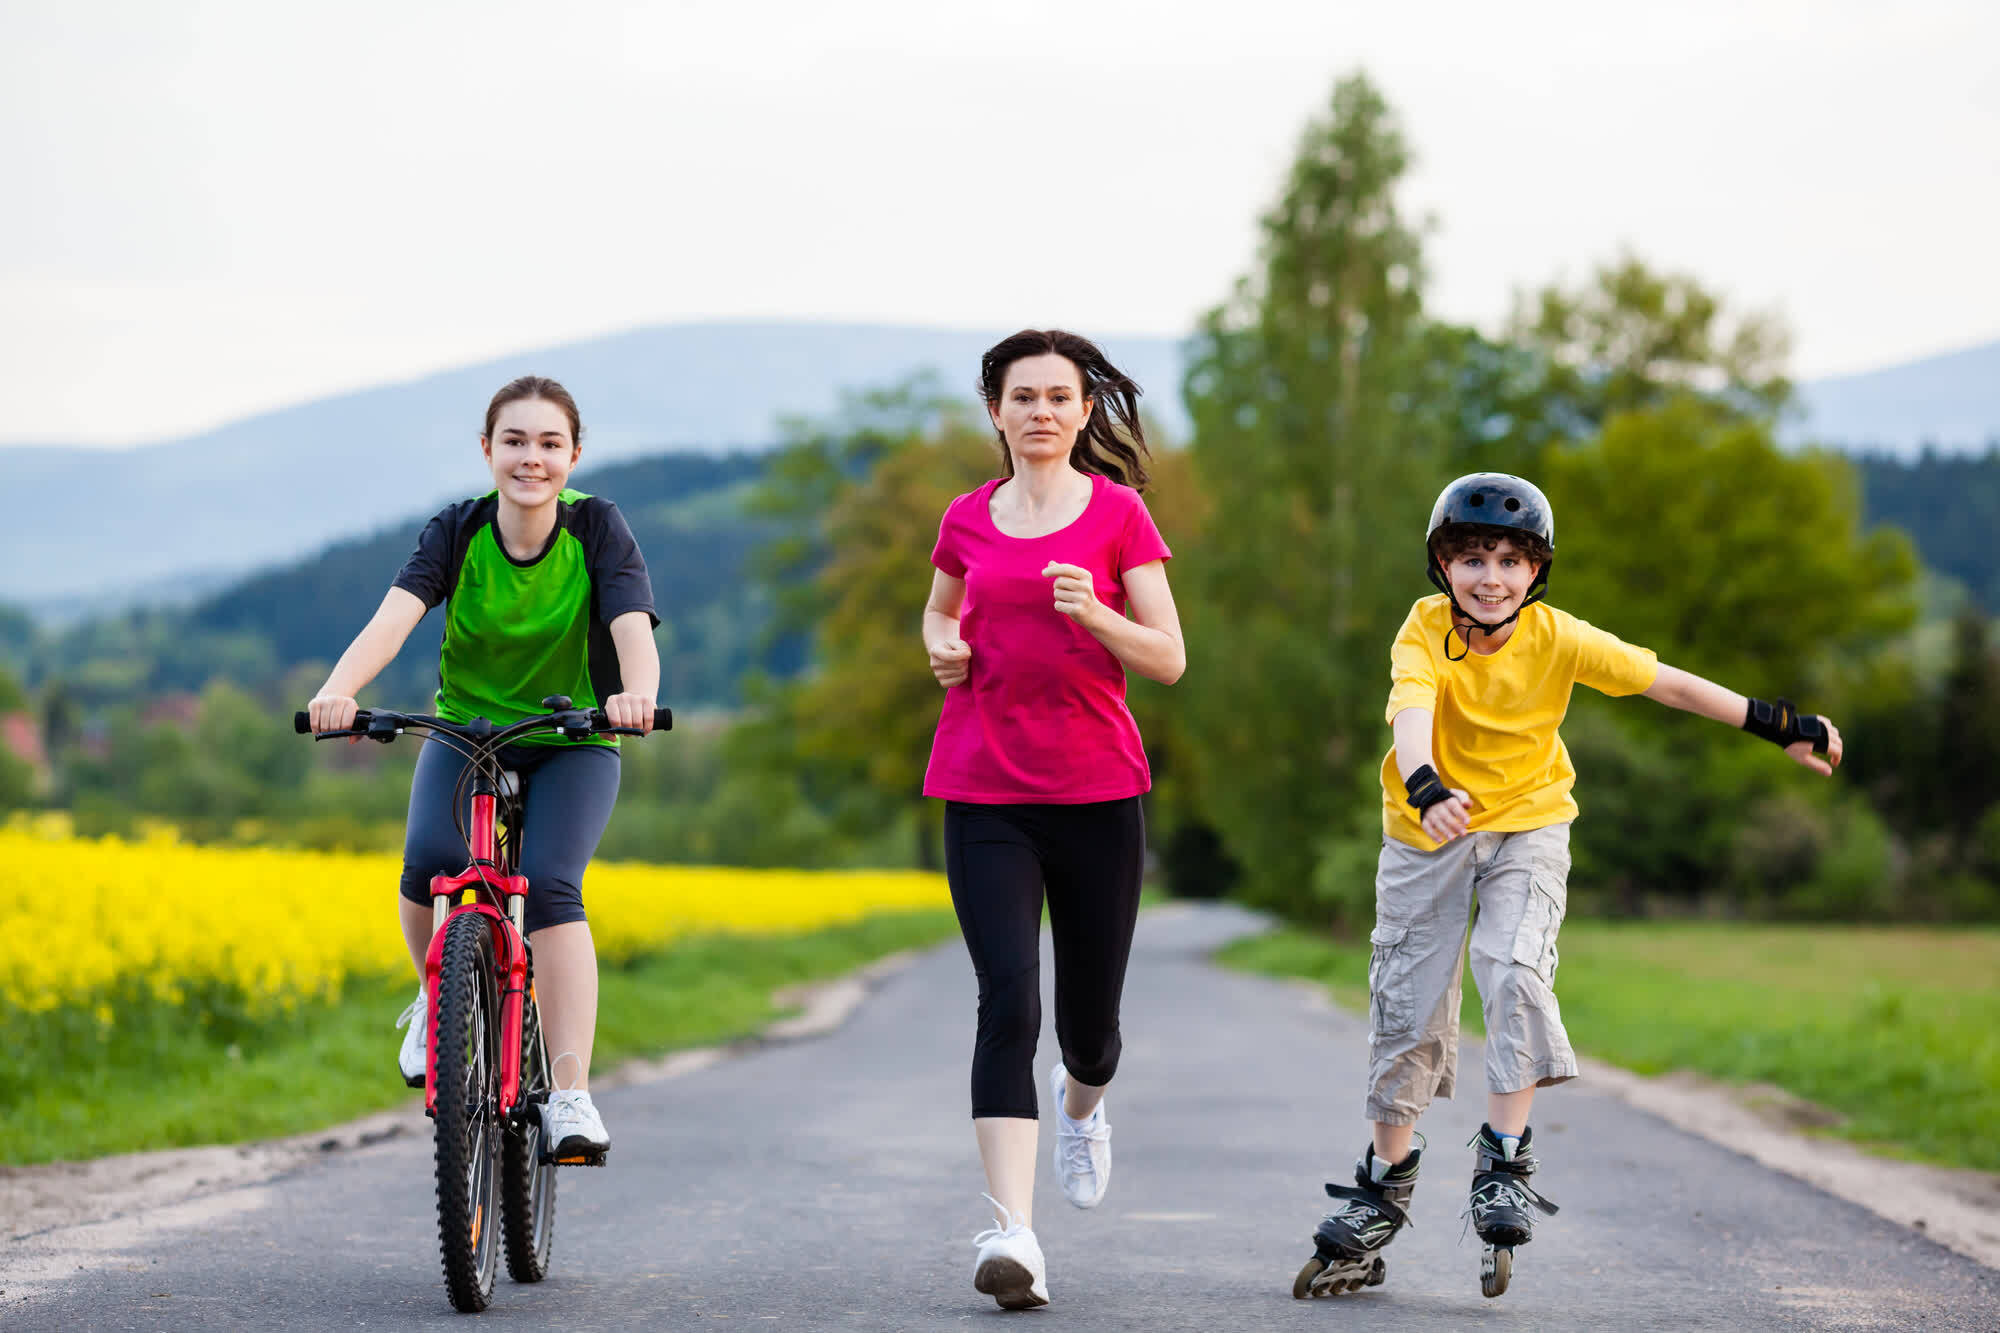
[686,511]
[106,523]
[169,522]
[1949,503]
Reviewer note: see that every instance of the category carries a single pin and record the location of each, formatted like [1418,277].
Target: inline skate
[1347,1246]
[1502,1204]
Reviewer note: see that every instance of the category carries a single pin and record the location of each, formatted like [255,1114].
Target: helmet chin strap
[1536,592]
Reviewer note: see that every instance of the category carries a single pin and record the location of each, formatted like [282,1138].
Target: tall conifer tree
[1320,473]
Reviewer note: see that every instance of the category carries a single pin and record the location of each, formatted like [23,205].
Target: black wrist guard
[1781,724]
[1426,789]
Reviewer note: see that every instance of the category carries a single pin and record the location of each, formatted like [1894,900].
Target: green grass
[1896,1028]
[161,1078]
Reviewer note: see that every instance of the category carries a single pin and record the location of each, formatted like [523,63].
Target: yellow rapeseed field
[82,917]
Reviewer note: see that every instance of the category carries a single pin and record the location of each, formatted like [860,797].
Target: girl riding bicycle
[546,593]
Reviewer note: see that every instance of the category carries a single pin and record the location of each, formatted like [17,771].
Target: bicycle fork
[510,945]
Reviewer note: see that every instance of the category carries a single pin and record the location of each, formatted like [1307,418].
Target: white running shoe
[1010,1268]
[573,1130]
[414,1058]
[1083,1148]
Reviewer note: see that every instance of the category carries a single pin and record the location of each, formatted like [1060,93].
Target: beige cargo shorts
[1422,902]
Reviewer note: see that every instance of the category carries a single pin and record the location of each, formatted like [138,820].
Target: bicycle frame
[510,945]
[505,894]
[487,1155]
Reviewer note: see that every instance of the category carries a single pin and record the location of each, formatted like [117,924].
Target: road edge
[1957,1207]
[49,1207]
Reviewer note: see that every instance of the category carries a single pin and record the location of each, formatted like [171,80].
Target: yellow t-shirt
[1495,715]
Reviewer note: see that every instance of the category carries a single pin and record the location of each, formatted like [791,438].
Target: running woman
[546,593]
[1039,762]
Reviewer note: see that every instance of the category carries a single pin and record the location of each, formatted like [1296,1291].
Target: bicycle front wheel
[469,1132]
[528,1183]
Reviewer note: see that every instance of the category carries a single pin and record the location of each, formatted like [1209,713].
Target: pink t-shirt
[1041,718]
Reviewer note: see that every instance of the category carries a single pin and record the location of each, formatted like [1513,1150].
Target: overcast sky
[215,208]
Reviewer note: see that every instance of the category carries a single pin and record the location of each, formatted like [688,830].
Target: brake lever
[575,724]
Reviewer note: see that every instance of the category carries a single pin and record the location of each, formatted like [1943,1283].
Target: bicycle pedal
[577,1159]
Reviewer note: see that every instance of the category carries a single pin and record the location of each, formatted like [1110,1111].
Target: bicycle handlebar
[594,721]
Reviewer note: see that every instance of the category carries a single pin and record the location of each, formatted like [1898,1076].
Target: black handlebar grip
[663,720]
[302,723]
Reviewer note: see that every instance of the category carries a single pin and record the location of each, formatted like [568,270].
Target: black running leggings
[1000,859]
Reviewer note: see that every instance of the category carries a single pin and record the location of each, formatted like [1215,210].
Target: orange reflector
[477,1214]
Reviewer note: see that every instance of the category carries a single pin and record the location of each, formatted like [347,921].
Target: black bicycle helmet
[1490,500]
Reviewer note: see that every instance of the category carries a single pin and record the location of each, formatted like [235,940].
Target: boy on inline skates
[1477,806]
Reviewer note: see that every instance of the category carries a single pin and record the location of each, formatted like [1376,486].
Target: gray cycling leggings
[567,794]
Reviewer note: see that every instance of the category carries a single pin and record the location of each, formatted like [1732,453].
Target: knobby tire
[469,1132]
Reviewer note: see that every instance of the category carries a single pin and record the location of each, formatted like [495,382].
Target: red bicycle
[487,1073]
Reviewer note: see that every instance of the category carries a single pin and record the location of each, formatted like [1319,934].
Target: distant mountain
[1951,401]
[278,485]
[164,523]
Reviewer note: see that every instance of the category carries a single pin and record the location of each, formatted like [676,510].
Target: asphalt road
[833,1183]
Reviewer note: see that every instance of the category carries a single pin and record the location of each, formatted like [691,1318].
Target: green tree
[861,498]
[1633,338]
[17,635]
[1318,484]
[1487,401]
[1967,735]
[13,699]
[1949,504]
[1628,340]
[1732,557]
[1696,536]
[237,759]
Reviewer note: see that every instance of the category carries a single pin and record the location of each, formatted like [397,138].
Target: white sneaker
[414,1058]
[1083,1148]
[1010,1268]
[573,1130]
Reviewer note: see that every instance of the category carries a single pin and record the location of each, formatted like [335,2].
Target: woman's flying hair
[1112,443]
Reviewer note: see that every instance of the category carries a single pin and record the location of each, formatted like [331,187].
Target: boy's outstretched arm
[1684,690]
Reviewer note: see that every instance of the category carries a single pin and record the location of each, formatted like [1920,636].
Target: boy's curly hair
[1453,540]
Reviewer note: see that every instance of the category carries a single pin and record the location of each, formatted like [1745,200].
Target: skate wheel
[1324,1277]
[1496,1267]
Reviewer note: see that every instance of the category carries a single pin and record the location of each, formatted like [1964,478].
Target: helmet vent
[1477,499]
[1513,503]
